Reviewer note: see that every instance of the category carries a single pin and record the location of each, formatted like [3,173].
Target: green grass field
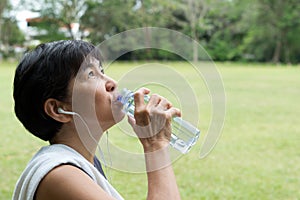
[257,156]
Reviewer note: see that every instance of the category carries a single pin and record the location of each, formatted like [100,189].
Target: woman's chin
[117,113]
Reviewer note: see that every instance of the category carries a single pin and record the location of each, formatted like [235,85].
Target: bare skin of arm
[161,182]
[69,182]
[155,139]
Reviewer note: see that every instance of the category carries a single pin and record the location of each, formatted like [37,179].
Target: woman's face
[94,96]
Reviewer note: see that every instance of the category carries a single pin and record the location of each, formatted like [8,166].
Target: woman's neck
[86,147]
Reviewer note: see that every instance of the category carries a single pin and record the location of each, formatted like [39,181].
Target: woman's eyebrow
[86,66]
[92,63]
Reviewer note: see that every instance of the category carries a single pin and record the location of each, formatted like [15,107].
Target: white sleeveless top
[49,157]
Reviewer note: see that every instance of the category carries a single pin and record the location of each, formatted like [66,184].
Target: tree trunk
[148,41]
[195,48]
[277,52]
[193,29]
[0,29]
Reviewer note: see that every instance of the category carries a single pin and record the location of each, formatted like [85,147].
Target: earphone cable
[98,146]
[110,161]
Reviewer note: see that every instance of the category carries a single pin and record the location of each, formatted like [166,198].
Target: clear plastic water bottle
[184,135]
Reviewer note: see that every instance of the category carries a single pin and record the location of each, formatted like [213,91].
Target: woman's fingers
[154,100]
[139,97]
[152,119]
[164,104]
[174,112]
[141,114]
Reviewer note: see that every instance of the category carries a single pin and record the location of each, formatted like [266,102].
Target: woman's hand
[152,121]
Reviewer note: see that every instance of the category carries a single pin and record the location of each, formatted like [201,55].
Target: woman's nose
[110,85]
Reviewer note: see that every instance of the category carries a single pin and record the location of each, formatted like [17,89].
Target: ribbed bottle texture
[184,135]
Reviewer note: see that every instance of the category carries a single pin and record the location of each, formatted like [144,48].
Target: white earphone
[60,110]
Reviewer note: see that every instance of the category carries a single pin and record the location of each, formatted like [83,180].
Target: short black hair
[46,73]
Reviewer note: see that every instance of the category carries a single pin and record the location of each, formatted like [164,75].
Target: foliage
[10,34]
[231,30]
[57,18]
[106,18]
[273,31]
[3,5]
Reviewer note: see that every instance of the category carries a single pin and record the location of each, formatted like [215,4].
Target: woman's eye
[91,74]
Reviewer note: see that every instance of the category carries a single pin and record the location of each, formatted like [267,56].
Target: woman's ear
[51,107]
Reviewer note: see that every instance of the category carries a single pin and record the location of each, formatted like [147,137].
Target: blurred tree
[204,21]
[10,34]
[3,4]
[196,12]
[275,30]
[107,17]
[229,24]
[152,13]
[56,16]
[260,30]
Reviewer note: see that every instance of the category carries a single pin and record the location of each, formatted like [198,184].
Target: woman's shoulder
[44,161]
[49,157]
[56,162]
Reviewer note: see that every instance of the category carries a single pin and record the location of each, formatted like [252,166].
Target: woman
[53,87]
